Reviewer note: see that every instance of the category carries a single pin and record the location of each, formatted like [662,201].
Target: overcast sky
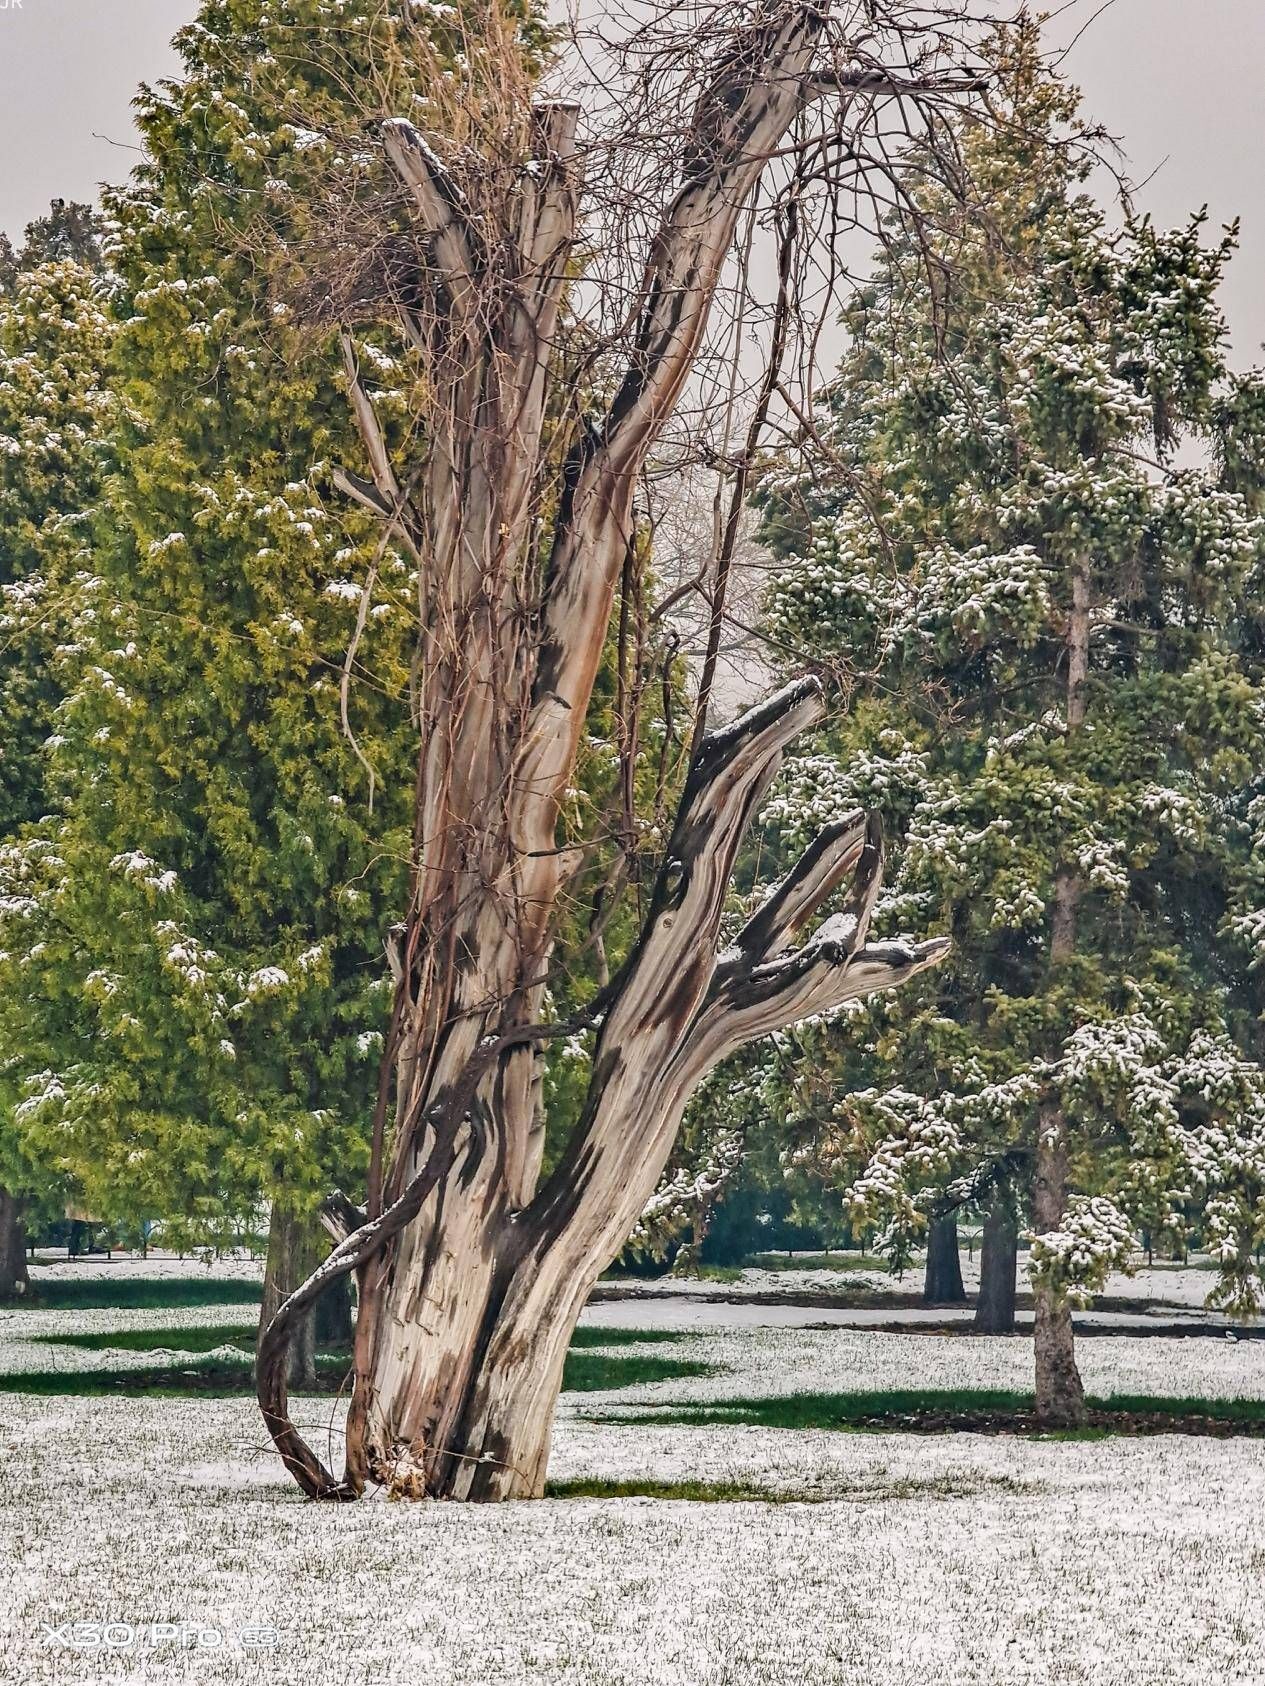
[1178,80]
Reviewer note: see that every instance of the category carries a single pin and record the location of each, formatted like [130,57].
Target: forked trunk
[465,1388]
[468,1296]
[942,1284]
[999,1263]
[472,1272]
[14,1280]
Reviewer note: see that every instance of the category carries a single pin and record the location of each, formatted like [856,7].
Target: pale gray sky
[1178,80]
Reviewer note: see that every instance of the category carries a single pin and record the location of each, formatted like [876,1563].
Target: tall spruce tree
[194,933]
[1035,572]
[55,410]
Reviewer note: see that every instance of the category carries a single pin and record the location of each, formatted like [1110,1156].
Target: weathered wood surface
[471,1272]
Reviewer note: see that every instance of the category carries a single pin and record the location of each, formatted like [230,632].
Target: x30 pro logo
[152,1636]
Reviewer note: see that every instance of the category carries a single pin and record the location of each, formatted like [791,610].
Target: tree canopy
[1060,410]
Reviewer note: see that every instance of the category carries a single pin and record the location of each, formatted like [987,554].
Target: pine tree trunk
[14,1280]
[331,1316]
[999,1263]
[294,1251]
[943,1282]
[1060,1395]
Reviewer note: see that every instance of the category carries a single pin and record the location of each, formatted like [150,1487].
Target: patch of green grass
[700,1273]
[153,1293]
[589,1334]
[224,1377]
[1221,1410]
[833,1410]
[877,1490]
[849,1410]
[214,1379]
[696,1492]
[202,1338]
[594,1372]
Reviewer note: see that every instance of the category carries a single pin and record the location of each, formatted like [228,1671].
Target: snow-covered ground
[967,1561]
[766,1362]
[1162,1286]
[24,1343]
[54,1266]
[756,1280]
[155,1540]
[760,1358]
[692,1311]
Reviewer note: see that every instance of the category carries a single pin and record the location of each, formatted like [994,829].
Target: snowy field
[763,1362]
[156,1540]
[758,1358]
[122,1267]
[963,1561]
[1161,1285]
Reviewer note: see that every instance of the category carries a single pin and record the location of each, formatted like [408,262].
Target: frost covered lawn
[888,1560]
[1162,1290]
[764,1361]
[961,1560]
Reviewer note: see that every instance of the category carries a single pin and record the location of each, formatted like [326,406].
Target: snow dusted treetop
[1049,625]
[193,930]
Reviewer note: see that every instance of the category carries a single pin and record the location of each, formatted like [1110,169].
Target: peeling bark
[472,1271]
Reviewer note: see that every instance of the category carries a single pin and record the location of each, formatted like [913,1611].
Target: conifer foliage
[55,412]
[1036,574]
[193,928]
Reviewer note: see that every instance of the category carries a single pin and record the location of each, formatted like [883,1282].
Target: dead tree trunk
[942,1284]
[1060,1396]
[14,1280]
[472,1271]
[999,1263]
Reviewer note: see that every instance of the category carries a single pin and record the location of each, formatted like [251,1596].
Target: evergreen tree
[55,410]
[194,937]
[1036,575]
[72,232]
